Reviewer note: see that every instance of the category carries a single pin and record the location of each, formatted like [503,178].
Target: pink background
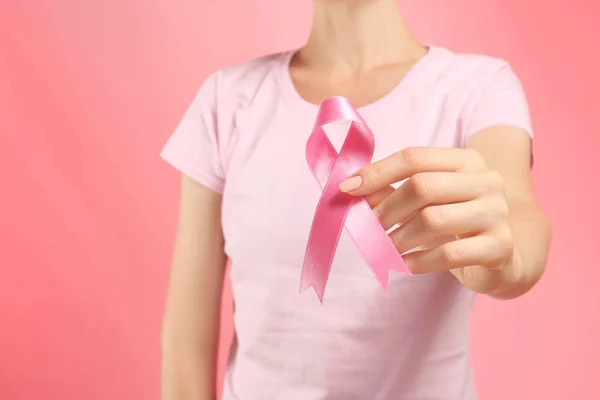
[89,92]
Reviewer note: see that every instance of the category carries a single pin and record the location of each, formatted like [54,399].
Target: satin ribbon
[337,210]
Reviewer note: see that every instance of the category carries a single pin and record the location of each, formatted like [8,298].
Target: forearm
[532,231]
[188,370]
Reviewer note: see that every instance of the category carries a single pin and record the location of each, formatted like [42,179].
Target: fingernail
[351,184]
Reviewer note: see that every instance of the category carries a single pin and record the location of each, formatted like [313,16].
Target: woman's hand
[449,193]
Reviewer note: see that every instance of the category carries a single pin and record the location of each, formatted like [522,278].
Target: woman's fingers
[433,222]
[375,198]
[483,250]
[429,188]
[407,163]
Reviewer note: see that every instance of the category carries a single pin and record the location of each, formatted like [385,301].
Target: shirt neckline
[299,104]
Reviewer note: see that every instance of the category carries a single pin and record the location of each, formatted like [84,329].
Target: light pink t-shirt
[244,136]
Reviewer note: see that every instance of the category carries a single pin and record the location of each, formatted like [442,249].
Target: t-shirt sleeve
[500,100]
[193,148]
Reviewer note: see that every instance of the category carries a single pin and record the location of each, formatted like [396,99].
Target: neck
[358,35]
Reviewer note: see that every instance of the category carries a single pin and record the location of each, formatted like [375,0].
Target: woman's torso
[409,343]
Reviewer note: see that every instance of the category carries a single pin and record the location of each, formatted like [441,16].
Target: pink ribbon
[336,209]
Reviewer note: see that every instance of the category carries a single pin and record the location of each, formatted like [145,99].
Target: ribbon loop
[337,210]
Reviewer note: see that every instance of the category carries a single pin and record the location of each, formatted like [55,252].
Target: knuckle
[373,172]
[452,254]
[432,218]
[505,241]
[494,180]
[413,157]
[474,159]
[499,250]
[420,185]
[493,210]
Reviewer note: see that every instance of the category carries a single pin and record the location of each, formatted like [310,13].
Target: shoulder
[242,93]
[485,90]
[466,76]
[244,79]
[469,66]
[475,80]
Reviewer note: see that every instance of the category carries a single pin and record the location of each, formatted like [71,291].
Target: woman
[454,127]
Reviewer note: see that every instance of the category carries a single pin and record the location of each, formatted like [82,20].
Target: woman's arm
[507,150]
[480,198]
[191,321]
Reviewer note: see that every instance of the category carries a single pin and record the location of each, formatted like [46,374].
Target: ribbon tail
[373,243]
[309,279]
[314,277]
[382,275]
[323,239]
